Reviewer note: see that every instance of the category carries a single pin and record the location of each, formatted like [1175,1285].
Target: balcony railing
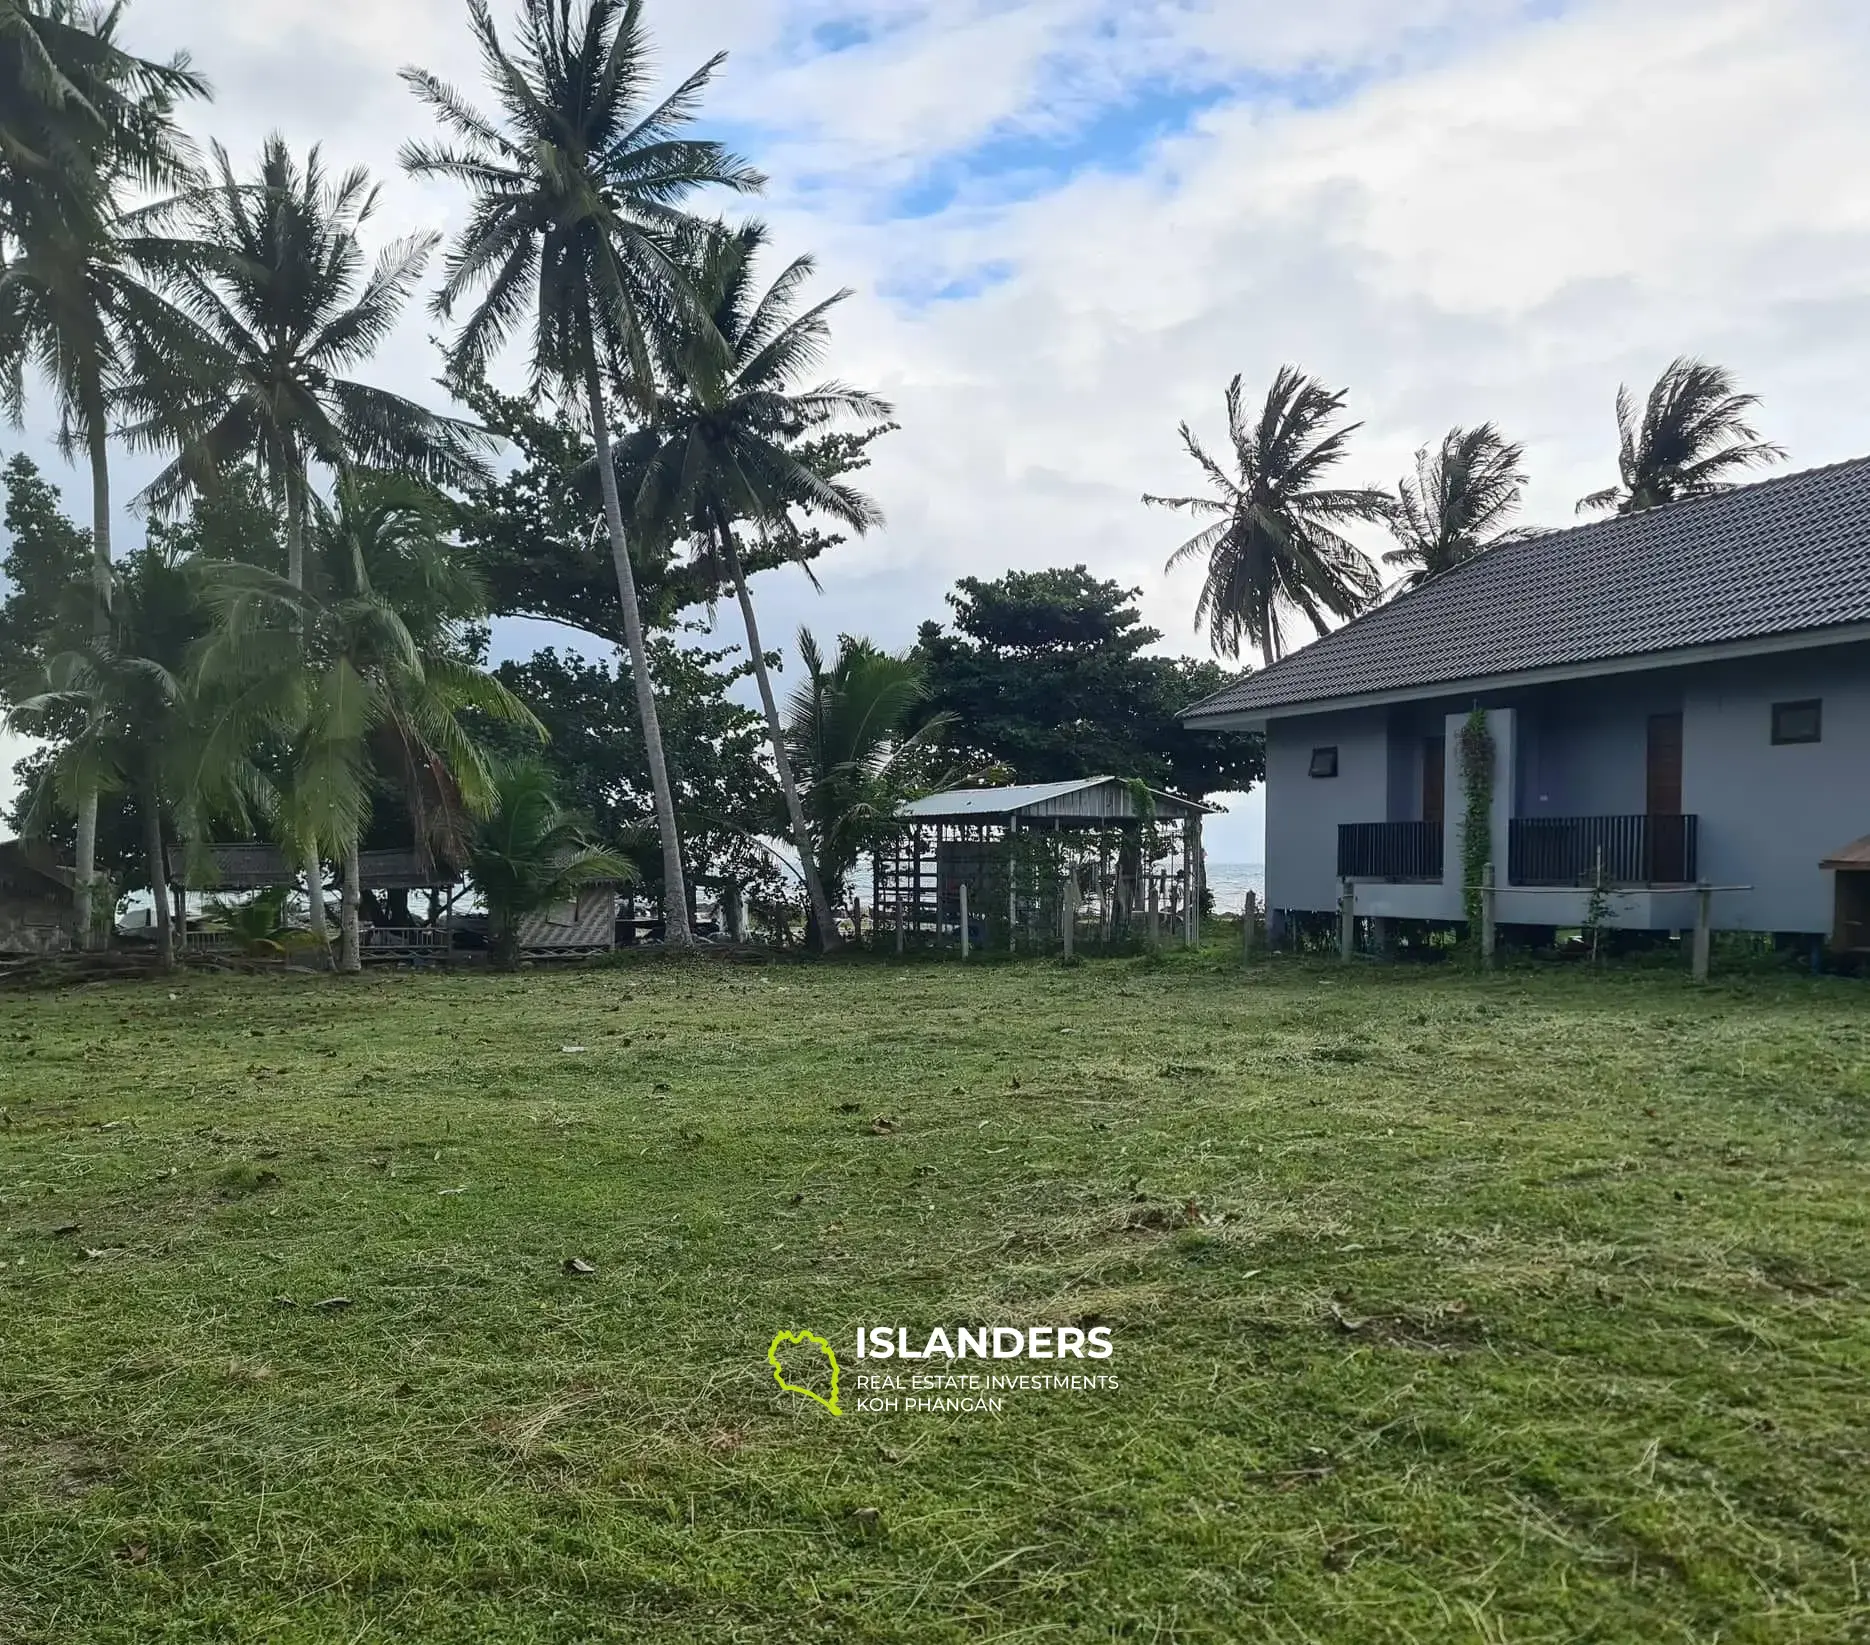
[1658,850]
[1390,851]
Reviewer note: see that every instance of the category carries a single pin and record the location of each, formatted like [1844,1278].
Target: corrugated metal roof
[1854,855]
[1100,797]
[1784,556]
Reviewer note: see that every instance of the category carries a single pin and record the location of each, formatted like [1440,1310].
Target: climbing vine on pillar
[1476,749]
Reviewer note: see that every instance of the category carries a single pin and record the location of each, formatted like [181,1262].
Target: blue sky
[1068,223]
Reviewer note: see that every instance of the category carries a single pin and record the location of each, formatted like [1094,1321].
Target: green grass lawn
[1528,1308]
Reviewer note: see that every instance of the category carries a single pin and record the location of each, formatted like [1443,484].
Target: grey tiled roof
[1783,556]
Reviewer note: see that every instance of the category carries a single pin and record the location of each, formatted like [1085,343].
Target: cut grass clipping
[438,1309]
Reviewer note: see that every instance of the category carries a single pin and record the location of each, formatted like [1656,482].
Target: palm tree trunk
[84,864]
[350,955]
[313,865]
[828,936]
[674,888]
[150,804]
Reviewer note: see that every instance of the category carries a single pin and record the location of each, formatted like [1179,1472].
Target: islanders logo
[805,1341]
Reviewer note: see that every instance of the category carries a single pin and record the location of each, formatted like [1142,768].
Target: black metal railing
[1658,850]
[1390,851]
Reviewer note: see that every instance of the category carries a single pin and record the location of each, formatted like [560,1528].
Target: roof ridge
[1559,588]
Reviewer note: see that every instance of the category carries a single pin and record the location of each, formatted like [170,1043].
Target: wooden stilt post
[1197,880]
[1704,929]
[964,919]
[1489,903]
[1009,843]
[1347,920]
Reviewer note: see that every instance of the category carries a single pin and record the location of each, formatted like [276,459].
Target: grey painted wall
[1303,812]
[1767,813]
[1584,747]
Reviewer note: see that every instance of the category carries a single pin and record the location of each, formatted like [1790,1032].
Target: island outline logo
[801,1338]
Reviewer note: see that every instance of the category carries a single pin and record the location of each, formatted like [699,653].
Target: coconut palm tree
[364,688]
[1458,502]
[578,192]
[133,690]
[1692,438]
[71,98]
[722,450]
[528,853]
[1275,547]
[848,738]
[273,276]
[81,120]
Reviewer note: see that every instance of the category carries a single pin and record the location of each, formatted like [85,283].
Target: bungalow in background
[1674,697]
[35,900]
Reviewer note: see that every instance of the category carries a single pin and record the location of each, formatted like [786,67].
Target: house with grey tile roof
[1674,698]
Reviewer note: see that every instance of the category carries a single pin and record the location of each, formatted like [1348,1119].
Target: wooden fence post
[1489,913]
[899,919]
[1347,920]
[1068,909]
[964,920]
[1249,927]
[1704,929]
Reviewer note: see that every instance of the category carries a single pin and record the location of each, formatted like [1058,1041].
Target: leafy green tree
[856,746]
[1692,438]
[725,796]
[274,278]
[83,122]
[1045,677]
[1275,547]
[529,852]
[722,450]
[535,531]
[46,567]
[1458,503]
[578,190]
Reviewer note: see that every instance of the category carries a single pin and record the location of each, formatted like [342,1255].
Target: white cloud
[1501,215]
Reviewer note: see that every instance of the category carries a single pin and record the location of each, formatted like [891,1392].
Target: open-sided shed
[1110,849]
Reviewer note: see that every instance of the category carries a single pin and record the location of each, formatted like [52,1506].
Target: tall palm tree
[578,192]
[1692,438]
[1458,503]
[81,121]
[1275,547]
[722,450]
[366,684]
[274,277]
[133,689]
[847,726]
[71,96]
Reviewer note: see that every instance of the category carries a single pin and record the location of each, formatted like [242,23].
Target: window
[1797,722]
[1324,762]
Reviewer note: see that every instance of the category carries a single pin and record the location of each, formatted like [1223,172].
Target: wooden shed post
[1489,905]
[1704,929]
[1068,908]
[964,919]
[1347,920]
[1012,884]
[1188,883]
